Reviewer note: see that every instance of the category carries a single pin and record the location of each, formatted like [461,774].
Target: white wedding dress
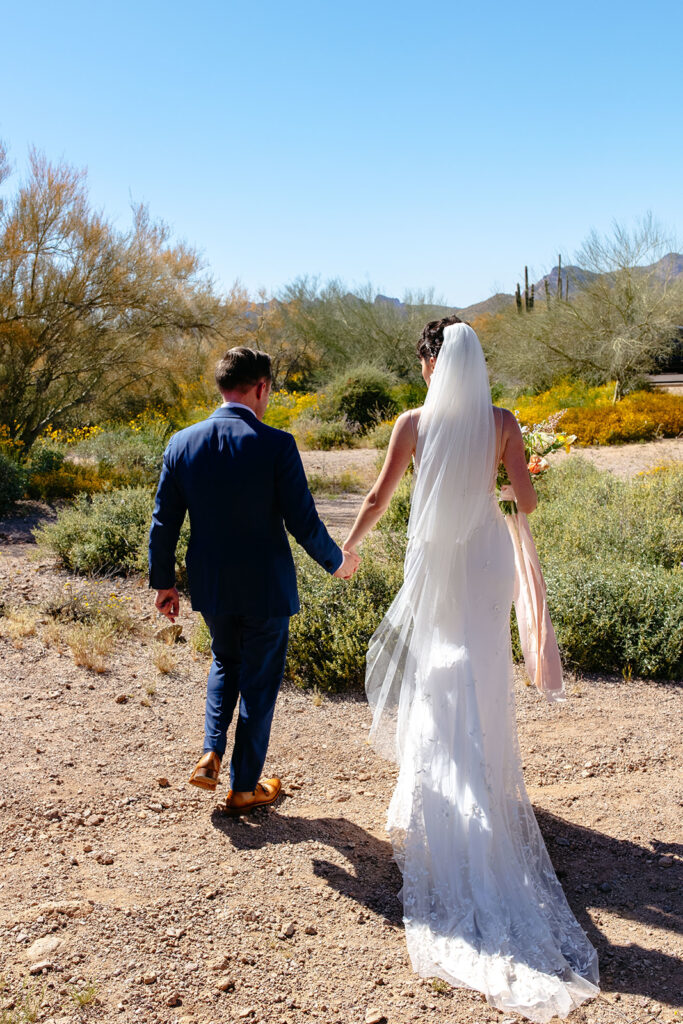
[482,905]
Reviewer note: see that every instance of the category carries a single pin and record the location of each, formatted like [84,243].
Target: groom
[242,483]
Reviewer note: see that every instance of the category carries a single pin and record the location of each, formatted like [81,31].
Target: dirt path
[624,460]
[133,881]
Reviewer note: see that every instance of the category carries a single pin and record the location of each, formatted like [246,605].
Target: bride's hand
[350,564]
[507,493]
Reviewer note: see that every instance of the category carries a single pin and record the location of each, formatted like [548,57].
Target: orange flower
[537,464]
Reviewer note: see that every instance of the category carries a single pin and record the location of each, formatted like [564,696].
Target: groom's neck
[247,398]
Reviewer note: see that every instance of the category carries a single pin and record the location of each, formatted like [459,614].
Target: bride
[482,905]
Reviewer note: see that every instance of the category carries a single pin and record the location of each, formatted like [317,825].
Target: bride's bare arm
[399,454]
[514,460]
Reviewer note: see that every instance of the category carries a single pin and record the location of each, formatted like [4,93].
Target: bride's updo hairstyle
[431,339]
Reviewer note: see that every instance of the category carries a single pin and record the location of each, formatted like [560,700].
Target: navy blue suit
[244,486]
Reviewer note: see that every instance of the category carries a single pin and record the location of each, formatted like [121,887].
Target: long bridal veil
[482,905]
[456,449]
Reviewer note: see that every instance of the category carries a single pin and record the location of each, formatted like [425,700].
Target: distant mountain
[495,304]
[669,267]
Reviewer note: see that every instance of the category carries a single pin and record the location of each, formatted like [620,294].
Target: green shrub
[130,453]
[380,435]
[324,485]
[364,395]
[395,519]
[12,482]
[617,617]
[330,635]
[322,435]
[585,513]
[105,533]
[410,394]
[45,457]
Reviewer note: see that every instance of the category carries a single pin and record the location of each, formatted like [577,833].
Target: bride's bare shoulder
[405,428]
[507,419]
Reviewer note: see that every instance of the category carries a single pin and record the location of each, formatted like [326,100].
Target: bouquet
[539,441]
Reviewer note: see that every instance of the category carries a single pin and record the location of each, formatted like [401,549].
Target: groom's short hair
[241,368]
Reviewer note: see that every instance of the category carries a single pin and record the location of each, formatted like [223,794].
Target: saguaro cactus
[528,294]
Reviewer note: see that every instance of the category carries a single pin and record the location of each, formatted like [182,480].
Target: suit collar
[234,412]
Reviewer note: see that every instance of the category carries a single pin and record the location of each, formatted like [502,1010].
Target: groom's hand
[168,603]
[349,565]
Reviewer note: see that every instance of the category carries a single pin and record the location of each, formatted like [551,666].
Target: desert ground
[127,895]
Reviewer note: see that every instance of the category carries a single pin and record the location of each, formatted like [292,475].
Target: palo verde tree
[622,317]
[87,311]
[332,328]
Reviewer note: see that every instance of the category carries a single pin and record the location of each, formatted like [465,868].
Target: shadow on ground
[616,876]
[372,879]
[624,879]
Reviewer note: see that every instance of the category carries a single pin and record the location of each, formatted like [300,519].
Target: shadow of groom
[372,879]
[626,880]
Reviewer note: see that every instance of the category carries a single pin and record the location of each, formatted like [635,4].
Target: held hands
[168,603]
[349,565]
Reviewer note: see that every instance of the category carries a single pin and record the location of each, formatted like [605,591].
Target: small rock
[42,948]
[150,978]
[42,965]
[122,698]
[70,907]
[173,999]
[374,1016]
[87,847]
[247,1012]
[225,985]
[666,861]
[169,634]
[289,930]
[605,887]
[310,929]
[104,858]
[163,782]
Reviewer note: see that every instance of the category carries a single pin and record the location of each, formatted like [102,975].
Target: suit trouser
[248,663]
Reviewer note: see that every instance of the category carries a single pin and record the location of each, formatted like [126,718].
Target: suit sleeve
[169,511]
[299,511]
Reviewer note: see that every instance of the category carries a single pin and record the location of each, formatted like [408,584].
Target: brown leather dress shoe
[206,771]
[266,792]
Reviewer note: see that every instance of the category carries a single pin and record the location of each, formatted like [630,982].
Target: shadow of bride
[625,880]
[597,872]
[372,878]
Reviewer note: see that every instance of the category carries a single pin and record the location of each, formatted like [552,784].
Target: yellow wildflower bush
[285,407]
[592,416]
[66,481]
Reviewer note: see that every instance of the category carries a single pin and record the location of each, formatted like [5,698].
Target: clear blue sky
[415,145]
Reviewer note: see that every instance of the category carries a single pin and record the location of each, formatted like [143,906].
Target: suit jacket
[242,483]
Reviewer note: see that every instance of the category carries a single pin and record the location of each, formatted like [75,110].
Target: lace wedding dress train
[482,905]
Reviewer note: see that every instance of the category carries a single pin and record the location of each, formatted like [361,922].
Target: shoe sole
[203,783]
[236,812]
